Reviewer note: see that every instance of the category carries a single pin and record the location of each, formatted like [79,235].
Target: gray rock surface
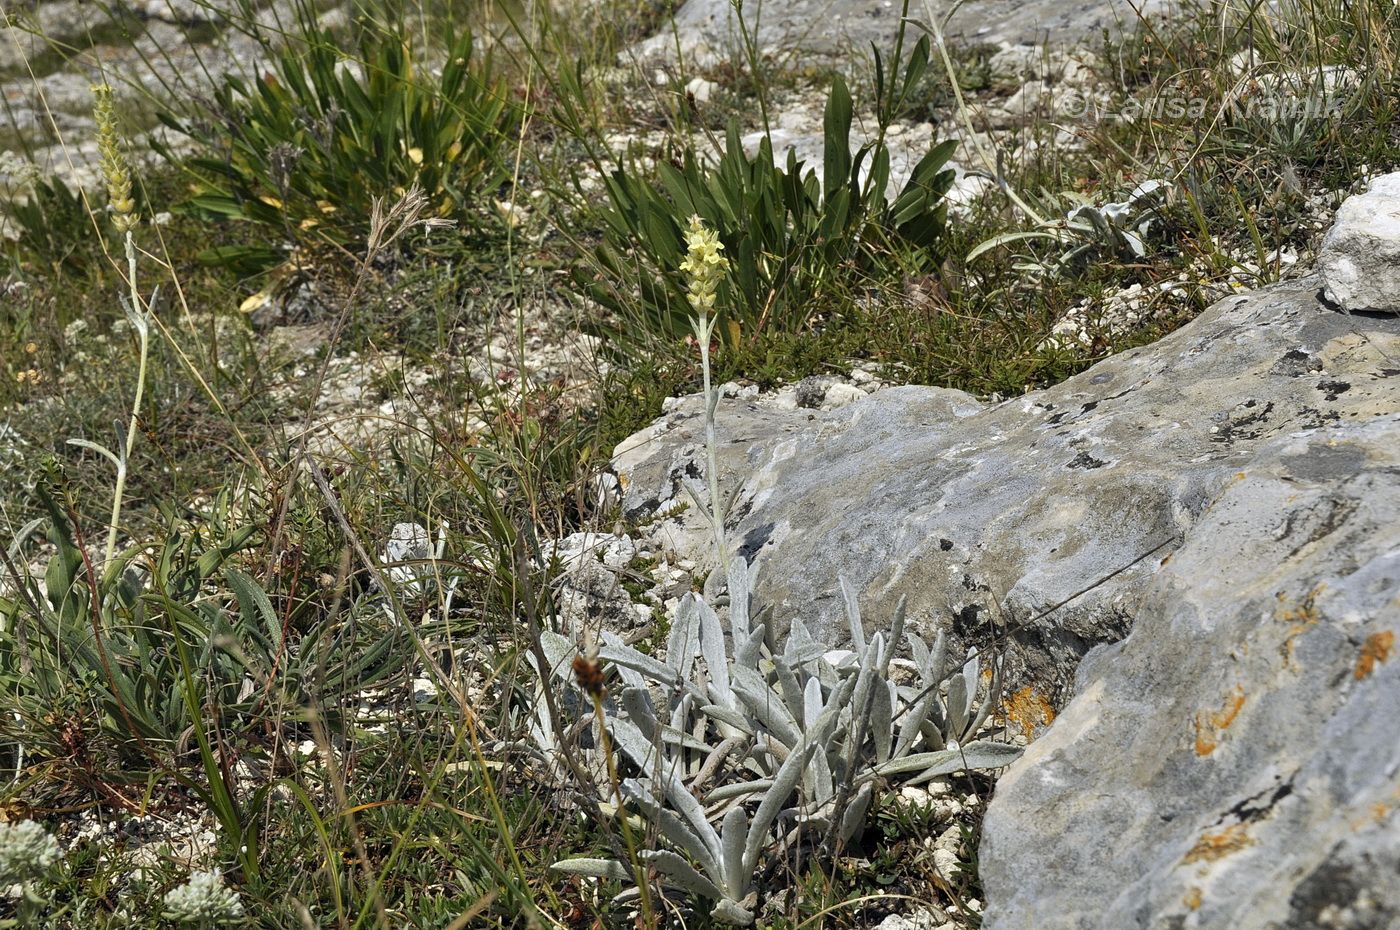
[708,29]
[1360,257]
[1051,512]
[1235,762]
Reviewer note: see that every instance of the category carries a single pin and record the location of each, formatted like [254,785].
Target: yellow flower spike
[112,160]
[704,265]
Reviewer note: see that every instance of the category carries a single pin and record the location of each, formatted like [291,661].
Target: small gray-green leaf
[606,869]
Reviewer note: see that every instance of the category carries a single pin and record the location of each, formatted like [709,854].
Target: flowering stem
[143,334]
[704,328]
[705,267]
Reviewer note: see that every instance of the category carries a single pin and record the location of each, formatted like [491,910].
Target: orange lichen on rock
[1193,899]
[1211,724]
[1375,651]
[1304,612]
[1028,709]
[1212,847]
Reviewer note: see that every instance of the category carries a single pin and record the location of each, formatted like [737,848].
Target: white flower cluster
[204,899]
[26,851]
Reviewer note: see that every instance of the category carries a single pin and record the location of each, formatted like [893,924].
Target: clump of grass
[307,149]
[791,236]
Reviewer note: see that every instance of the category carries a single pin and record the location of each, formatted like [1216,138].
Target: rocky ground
[1185,554]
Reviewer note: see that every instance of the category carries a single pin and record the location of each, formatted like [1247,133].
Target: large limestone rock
[1235,762]
[1360,257]
[708,29]
[1051,512]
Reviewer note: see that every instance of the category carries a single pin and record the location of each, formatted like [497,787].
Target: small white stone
[701,90]
[842,394]
[1360,257]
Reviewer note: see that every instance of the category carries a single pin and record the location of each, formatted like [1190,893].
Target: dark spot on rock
[1101,379]
[1313,418]
[965,620]
[1296,363]
[1057,419]
[1333,389]
[1085,460]
[1245,421]
[1259,806]
[1333,890]
[1091,405]
[754,540]
[945,545]
[1322,462]
[740,512]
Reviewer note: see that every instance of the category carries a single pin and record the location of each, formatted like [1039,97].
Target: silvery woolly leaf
[817,779]
[791,690]
[606,869]
[938,657]
[625,657]
[865,682]
[700,497]
[913,720]
[740,590]
[746,654]
[733,834]
[730,717]
[559,651]
[681,712]
[99,449]
[881,722]
[684,640]
[732,913]
[959,726]
[682,873]
[637,703]
[739,790]
[642,751]
[675,830]
[800,647]
[980,754]
[675,737]
[896,633]
[992,700]
[959,702]
[768,707]
[811,703]
[689,809]
[853,616]
[712,648]
[854,814]
[631,674]
[918,650]
[769,715]
[790,773]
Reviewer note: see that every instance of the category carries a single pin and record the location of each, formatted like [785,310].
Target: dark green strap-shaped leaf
[254,603]
[836,161]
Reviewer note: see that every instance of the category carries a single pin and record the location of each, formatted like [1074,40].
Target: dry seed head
[589,674]
[115,171]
